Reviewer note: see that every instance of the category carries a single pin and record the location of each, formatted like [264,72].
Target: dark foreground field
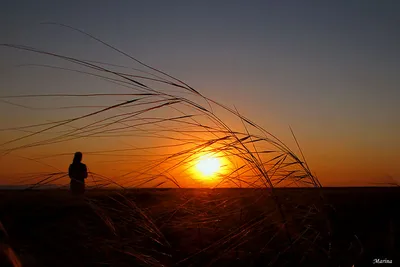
[201,227]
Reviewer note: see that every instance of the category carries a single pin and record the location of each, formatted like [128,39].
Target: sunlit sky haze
[330,70]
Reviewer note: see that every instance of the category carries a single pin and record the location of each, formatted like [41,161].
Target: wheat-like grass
[179,124]
[7,255]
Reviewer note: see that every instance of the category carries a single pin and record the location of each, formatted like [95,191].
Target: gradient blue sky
[330,70]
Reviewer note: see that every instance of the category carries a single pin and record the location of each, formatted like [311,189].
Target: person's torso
[77,171]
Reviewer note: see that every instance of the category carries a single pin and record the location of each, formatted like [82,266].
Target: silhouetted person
[78,173]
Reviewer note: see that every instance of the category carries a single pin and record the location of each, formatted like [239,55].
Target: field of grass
[199,227]
[164,127]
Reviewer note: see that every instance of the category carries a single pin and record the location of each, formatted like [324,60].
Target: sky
[329,70]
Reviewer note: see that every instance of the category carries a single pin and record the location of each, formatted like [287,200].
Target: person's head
[77,157]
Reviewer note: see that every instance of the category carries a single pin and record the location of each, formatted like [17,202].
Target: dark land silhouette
[197,227]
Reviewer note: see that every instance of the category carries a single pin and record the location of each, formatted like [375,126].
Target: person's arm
[85,174]
[70,171]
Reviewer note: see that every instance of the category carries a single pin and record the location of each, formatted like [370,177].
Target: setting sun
[208,166]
